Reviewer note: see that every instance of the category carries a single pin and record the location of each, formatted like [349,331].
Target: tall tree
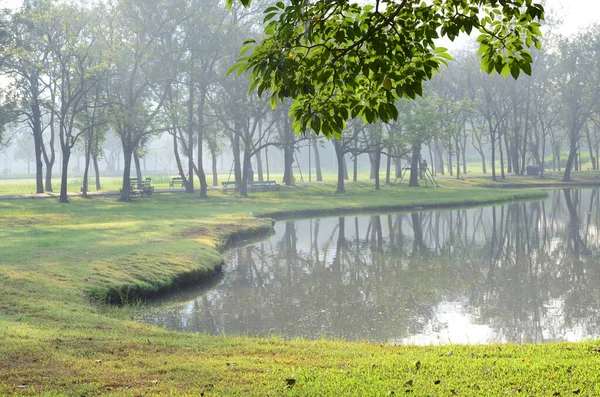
[24,59]
[74,70]
[578,83]
[141,65]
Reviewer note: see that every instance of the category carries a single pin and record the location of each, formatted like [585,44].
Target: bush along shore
[62,265]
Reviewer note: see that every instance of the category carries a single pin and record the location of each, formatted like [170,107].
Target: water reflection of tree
[528,270]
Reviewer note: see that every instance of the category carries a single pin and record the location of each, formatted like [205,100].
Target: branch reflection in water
[522,272]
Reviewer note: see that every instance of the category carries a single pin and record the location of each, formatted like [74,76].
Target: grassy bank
[60,262]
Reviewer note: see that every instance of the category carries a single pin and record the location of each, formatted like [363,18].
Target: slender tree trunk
[388,168]
[464,154]
[245,173]
[96,171]
[345,168]
[415,163]
[590,147]
[49,159]
[36,124]
[431,158]
[237,166]
[377,165]
[126,187]
[288,162]
[317,160]
[189,186]
[213,158]
[200,166]
[457,158]
[355,169]
[339,154]
[178,162]
[493,154]
[372,160]
[66,154]
[502,176]
[259,167]
[450,165]
[39,167]
[86,167]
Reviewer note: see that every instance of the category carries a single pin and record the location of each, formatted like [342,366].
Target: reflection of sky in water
[523,272]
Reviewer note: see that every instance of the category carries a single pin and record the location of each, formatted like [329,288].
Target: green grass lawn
[61,262]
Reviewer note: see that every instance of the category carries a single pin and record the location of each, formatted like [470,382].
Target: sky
[577,14]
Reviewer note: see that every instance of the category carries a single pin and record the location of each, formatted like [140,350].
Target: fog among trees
[133,88]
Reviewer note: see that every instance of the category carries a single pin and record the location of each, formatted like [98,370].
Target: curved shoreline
[128,293]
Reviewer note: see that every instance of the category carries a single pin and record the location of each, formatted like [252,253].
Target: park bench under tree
[176,181]
[139,188]
[230,187]
[264,186]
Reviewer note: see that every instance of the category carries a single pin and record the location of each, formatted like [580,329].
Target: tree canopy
[338,60]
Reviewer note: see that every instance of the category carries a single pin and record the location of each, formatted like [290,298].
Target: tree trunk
[377,165]
[339,154]
[355,169]
[138,169]
[200,166]
[200,152]
[36,124]
[570,161]
[502,176]
[590,147]
[388,168]
[49,159]
[457,158]
[415,163]
[345,168]
[493,154]
[464,154]
[372,160]
[66,154]
[178,163]
[237,166]
[189,186]
[96,171]
[317,161]
[125,188]
[450,166]
[288,161]
[86,167]
[259,167]
[245,171]
[213,158]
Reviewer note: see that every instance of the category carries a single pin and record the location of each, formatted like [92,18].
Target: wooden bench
[265,186]
[230,187]
[139,188]
[176,181]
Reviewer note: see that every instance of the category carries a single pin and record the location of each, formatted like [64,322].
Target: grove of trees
[104,79]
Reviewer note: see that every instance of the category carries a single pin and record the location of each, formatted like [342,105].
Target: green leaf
[526,67]
[515,70]
[316,124]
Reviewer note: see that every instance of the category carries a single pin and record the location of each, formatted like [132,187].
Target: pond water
[521,272]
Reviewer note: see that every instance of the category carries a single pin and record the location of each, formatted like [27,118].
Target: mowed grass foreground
[59,264]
